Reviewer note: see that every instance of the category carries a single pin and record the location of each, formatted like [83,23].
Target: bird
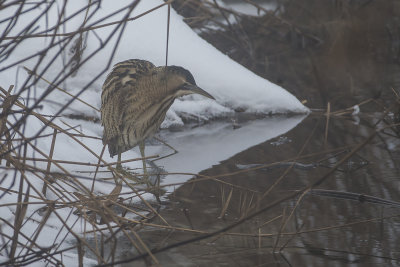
[135,98]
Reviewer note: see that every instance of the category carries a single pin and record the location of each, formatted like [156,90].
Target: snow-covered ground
[230,83]
[233,86]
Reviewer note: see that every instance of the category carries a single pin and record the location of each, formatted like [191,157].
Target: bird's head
[181,81]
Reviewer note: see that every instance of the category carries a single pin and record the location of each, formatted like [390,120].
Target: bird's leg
[119,166]
[123,172]
[141,147]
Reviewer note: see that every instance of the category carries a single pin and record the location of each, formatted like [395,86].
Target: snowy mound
[230,83]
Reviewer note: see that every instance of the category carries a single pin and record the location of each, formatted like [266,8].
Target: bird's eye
[185,86]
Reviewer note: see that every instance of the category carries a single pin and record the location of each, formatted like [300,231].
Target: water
[201,147]
[321,230]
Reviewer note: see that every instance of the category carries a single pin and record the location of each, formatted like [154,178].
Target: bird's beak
[197,90]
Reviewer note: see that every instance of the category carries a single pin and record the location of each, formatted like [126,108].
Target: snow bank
[230,83]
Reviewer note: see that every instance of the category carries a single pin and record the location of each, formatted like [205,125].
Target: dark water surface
[321,231]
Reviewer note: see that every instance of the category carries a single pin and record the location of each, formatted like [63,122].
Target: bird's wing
[121,80]
[126,71]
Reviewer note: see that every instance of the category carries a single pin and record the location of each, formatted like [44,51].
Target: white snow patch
[249,9]
[356,110]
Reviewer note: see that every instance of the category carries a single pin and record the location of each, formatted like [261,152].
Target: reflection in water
[321,230]
[200,148]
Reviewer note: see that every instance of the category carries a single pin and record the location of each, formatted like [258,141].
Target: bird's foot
[128,175]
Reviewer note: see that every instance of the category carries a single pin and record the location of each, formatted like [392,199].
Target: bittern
[135,97]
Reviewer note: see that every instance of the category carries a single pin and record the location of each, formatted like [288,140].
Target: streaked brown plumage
[135,98]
